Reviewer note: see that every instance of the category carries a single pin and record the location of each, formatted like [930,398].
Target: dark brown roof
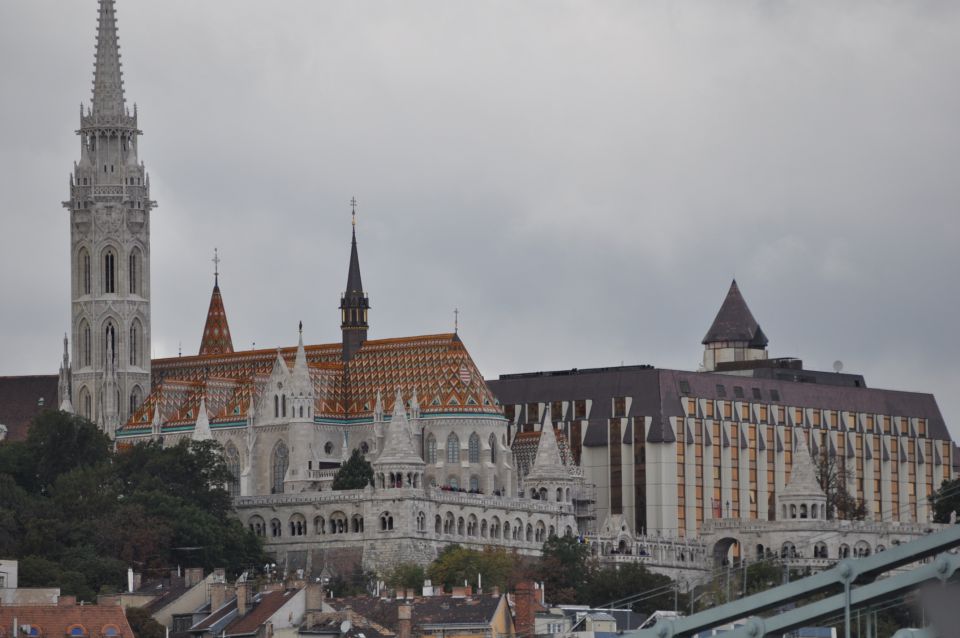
[656,393]
[433,610]
[735,322]
[166,591]
[54,620]
[267,606]
[215,617]
[20,401]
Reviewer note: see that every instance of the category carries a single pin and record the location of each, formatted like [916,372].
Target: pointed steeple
[63,386]
[354,303]
[398,445]
[803,477]
[107,76]
[735,322]
[548,464]
[201,430]
[216,331]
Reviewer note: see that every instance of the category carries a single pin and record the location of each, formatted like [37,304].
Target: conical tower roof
[803,475]
[354,282]
[398,445]
[735,322]
[107,76]
[548,464]
[216,332]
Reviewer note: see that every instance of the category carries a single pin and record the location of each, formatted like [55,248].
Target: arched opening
[85,403]
[492,442]
[109,271]
[726,551]
[83,269]
[431,449]
[319,525]
[135,345]
[133,274]
[803,510]
[85,346]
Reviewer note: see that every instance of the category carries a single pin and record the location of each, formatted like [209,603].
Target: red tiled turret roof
[216,333]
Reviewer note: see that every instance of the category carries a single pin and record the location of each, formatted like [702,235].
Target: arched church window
[109,344]
[474,484]
[136,398]
[453,448]
[473,448]
[276,406]
[279,464]
[328,447]
[231,458]
[84,267]
[431,449]
[109,271]
[134,344]
[86,403]
[493,448]
[134,274]
[283,405]
[84,343]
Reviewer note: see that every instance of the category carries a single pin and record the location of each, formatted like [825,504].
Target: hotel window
[580,409]
[709,411]
[533,412]
[757,394]
[685,387]
[738,391]
[728,409]
[556,411]
[620,407]
[721,390]
[774,395]
[691,407]
[922,427]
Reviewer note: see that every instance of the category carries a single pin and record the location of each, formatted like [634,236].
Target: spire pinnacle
[216,331]
[216,268]
[107,76]
[353,303]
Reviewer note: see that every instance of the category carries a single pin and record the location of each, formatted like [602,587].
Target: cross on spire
[456,320]
[216,266]
[353,211]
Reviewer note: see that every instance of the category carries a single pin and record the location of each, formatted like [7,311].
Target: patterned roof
[216,333]
[437,367]
[57,620]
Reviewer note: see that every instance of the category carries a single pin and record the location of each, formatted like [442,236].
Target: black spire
[735,322]
[353,303]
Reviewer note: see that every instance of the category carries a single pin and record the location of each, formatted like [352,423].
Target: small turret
[734,334]
[64,383]
[216,331]
[201,430]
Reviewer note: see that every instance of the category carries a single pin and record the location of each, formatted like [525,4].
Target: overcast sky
[581,179]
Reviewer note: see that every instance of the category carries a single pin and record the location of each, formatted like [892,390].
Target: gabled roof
[428,611]
[216,332]
[54,620]
[735,322]
[265,606]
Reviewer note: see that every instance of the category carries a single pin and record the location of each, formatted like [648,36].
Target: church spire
[354,303]
[216,332]
[107,76]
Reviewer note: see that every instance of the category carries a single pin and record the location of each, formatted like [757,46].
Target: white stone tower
[109,248]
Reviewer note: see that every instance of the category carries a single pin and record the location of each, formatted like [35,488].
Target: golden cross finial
[216,266]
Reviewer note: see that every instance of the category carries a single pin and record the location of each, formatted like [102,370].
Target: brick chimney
[218,595]
[244,597]
[525,606]
[404,620]
[192,576]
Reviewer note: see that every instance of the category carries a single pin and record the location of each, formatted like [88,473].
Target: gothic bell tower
[109,248]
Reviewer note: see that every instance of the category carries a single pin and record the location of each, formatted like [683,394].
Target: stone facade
[110,209]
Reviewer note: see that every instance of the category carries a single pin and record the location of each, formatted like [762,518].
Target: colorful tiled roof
[437,367]
[216,332]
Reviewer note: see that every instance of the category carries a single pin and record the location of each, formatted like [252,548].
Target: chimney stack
[525,599]
[243,596]
[404,620]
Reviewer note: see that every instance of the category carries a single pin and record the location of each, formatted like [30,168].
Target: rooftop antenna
[456,320]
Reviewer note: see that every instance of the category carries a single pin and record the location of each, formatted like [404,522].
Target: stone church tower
[109,248]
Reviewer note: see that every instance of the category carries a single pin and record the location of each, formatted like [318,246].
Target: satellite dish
[345,626]
[838,366]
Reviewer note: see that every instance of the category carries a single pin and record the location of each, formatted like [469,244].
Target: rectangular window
[533,412]
[580,409]
[774,395]
[757,394]
[685,387]
[709,410]
[620,406]
[556,411]
[691,407]
[727,409]
[738,391]
[721,390]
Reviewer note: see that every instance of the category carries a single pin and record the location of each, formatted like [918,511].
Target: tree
[945,501]
[58,442]
[355,474]
[406,576]
[143,624]
[610,584]
[457,564]
[832,475]
[563,568]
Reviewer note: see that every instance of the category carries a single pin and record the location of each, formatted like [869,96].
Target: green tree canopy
[355,474]
[457,564]
[77,514]
[563,568]
[944,501]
